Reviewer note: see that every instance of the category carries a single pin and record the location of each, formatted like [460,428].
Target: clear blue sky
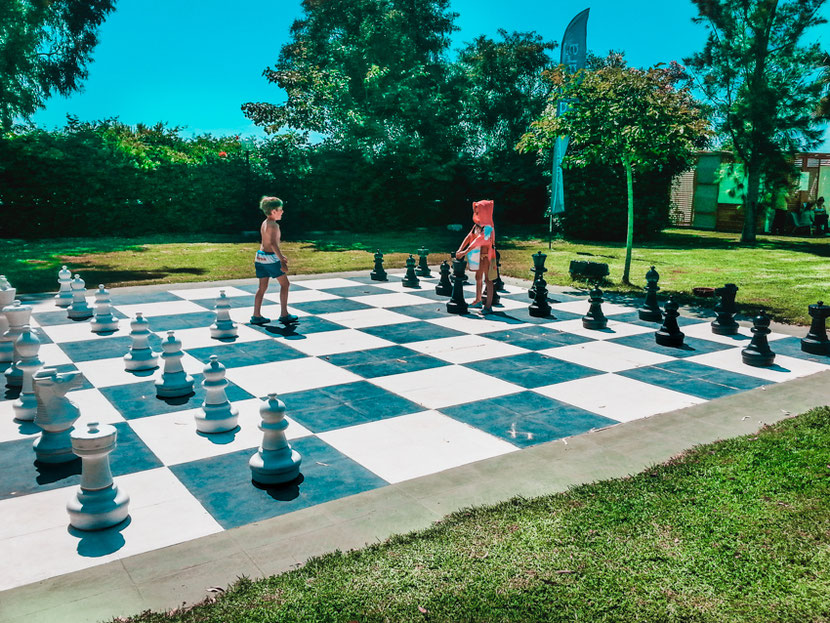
[194,64]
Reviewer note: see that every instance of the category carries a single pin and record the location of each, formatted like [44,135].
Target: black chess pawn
[726,309]
[378,274]
[410,279]
[670,333]
[594,319]
[758,353]
[444,287]
[540,308]
[816,341]
[457,304]
[650,311]
[538,271]
[498,283]
[423,266]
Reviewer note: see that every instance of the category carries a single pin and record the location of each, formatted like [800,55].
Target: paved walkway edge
[188,572]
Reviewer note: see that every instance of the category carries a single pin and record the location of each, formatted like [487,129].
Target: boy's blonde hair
[267,204]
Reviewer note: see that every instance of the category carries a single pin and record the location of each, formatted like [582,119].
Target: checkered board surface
[381,385]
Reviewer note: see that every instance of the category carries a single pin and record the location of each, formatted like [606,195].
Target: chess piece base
[650,315]
[217,419]
[457,308]
[137,361]
[223,334]
[79,314]
[378,276]
[539,311]
[443,290]
[97,510]
[725,329]
[177,388]
[758,360]
[103,327]
[411,283]
[25,408]
[275,467]
[667,339]
[815,347]
[595,324]
[54,448]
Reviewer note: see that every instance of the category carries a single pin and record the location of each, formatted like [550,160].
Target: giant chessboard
[381,385]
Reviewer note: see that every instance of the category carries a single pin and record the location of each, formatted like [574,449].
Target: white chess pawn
[217,414]
[141,356]
[27,345]
[98,503]
[103,321]
[64,296]
[174,381]
[79,309]
[276,462]
[223,327]
[56,415]
[18,316]
[6,297]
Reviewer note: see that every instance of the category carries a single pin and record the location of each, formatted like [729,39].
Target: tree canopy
[635,118]
[763,83]
[45,48]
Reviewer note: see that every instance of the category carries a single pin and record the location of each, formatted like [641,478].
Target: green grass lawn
[780,274]
[738,530]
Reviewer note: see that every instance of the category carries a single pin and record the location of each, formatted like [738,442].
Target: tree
[636,118]
[45,48]
[503,92]
[371,77]
[763,84]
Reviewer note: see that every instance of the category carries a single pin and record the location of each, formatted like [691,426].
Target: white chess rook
[217,414]
[79,309]
[64,296]
[27,345]
[7,294]
[56,415]
[223,327]
[174,381]
[141,356]
[18,316]
[103,321]
[98,503]
[276,462]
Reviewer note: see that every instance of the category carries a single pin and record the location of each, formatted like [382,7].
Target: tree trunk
[629,239]
[751,205]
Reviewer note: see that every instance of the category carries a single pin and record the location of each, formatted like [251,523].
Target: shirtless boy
[270,262]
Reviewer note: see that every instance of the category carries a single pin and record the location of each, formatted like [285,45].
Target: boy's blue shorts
[267,265]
